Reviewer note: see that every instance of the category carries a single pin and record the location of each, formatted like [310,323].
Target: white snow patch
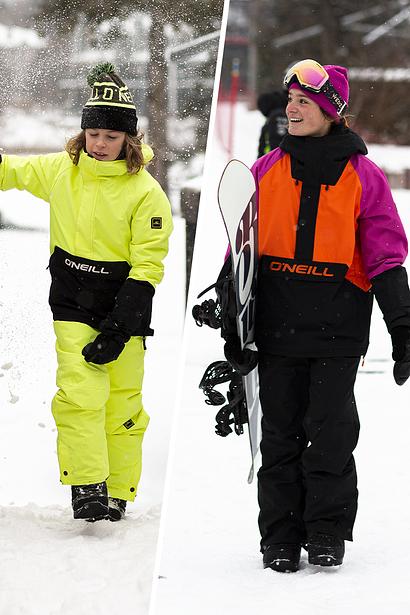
[391,158]
[36,130]
[15,36]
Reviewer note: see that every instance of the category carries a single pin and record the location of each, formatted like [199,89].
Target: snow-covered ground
[49,563]
[209,556]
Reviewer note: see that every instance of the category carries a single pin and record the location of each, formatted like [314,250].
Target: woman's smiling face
[103,144]
[306,118]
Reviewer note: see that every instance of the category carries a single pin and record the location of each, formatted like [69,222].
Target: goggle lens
[309,73]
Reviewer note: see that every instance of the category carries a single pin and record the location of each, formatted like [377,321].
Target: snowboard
[237,203]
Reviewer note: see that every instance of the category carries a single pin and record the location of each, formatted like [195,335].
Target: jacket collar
[322,159]
[100,169]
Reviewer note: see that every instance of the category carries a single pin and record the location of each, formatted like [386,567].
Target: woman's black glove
[392,292]
[401,353]
[243,361]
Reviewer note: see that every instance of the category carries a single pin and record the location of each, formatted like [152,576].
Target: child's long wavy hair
[131,151]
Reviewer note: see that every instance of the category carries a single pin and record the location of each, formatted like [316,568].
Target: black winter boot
[282,557]
[90,502]
[116,509]
[325,550]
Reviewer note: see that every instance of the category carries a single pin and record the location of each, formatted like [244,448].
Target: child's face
[104,144]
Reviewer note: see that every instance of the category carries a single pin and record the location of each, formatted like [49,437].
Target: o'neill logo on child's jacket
[85,267]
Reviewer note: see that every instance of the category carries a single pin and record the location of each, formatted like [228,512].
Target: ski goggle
[313,77]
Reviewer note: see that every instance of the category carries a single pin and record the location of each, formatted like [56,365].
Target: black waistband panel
[84,290]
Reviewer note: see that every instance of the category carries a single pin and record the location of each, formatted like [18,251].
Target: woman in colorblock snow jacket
[109,227]
[330,238]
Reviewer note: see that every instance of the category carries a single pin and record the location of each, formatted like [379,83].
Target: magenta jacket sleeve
[382,236]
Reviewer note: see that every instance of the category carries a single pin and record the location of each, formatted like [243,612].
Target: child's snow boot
[282,557]
[116,509]
[325,550]
[90,502]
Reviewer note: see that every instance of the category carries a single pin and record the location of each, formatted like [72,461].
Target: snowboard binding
[235,411]
[220,313]
[216,373]
[208,313]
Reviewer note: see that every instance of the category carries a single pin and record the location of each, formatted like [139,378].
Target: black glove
[391,289]
[401,353]
[243,361]
[131,315]
[105,348]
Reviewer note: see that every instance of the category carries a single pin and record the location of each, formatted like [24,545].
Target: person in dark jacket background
[330,239]
[272,105]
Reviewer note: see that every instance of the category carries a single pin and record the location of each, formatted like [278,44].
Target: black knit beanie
[110,105]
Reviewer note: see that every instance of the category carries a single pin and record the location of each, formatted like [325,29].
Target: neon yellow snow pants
[98,412]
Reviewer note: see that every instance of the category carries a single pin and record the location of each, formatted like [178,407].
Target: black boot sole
[282,566]
[325,559]
[114,515]
[91,511]
[116,509]
[282,557]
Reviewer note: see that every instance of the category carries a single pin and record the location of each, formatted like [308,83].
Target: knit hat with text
[110,105]
[339,80]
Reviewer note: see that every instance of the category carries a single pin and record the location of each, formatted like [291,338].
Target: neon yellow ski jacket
[98,211]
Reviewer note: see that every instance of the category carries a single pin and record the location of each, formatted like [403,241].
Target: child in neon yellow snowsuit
[109,227]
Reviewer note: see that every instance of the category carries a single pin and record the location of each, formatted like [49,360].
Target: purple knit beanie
[338,79]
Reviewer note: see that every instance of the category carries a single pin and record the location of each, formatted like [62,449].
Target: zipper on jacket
[306,228]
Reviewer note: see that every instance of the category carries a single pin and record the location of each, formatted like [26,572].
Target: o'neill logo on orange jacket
[301,269]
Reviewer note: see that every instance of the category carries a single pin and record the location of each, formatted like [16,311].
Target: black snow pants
[307,482]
